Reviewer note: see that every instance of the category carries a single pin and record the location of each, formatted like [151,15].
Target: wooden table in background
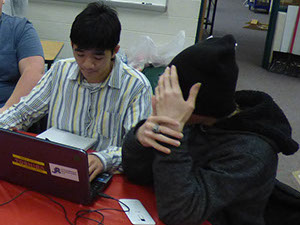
[51,51]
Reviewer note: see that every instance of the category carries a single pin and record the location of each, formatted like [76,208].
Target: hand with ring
[170,113]
[157,130]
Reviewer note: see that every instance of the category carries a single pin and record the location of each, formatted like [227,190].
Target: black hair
[96,27]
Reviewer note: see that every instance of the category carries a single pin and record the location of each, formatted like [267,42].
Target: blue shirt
[105,111]
[18,40]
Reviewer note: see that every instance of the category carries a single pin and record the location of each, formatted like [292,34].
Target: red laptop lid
[44,166]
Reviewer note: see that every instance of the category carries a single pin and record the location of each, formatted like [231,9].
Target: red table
[34,208]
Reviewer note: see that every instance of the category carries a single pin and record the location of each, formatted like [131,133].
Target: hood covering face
[212,63]
[261,115]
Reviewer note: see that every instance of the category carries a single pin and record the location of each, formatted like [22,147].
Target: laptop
[67,138]
[48,167]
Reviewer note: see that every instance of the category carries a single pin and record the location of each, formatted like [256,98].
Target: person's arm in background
[15,7]
[19,8]
[32,107]
[30,62]
[31,69]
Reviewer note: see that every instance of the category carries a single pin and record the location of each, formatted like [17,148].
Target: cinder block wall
[53,20]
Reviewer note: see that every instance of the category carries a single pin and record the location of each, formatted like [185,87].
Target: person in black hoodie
[210,151]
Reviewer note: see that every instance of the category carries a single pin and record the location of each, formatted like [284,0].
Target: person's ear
[115,51]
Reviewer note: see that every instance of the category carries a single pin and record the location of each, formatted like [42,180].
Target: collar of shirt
[113,80]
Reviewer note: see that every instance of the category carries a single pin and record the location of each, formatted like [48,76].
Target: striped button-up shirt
[104,112]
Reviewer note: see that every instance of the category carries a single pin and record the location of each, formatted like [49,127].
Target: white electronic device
[67,138]
[137,214]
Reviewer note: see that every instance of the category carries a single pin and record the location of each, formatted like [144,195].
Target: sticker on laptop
[29,164]
[64,172]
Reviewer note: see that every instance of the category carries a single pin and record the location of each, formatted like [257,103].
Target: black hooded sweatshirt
[224,174]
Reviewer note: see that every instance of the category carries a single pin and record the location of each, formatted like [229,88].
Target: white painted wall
[53,20]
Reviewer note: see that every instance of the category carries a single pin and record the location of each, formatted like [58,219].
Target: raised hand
[170,113]
[169,100]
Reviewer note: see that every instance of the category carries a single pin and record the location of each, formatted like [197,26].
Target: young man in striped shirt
[93,95]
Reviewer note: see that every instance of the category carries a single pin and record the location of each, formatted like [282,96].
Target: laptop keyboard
[99,184]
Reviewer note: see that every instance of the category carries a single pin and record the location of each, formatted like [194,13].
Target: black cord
[81,213]
[17,196]
[61,206]
[110,197]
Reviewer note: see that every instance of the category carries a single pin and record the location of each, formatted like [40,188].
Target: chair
[153,73]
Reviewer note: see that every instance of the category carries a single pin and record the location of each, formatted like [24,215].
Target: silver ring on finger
[155,129]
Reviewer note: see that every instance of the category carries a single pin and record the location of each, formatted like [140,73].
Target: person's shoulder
[256,146]
[65,68]
[65,62]
[6,17]
[16,26]
[135,74]
[15,21]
